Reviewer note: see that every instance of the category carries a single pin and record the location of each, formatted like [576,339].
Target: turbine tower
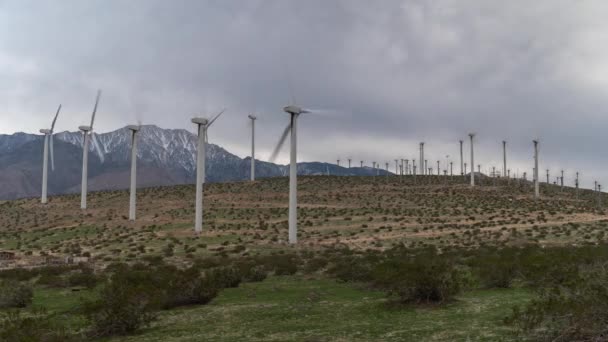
[253,118]
[462,172]
[133,190]
[48,140]
[422,168]
[294,112]
[88,134]
[471,135]
[349,160]
[504,158]
[201,154]
[536,188]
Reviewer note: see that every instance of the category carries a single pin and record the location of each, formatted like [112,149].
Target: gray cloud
[402,71]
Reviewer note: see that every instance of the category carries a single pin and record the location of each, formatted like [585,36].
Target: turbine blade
[52,152]
[215,118]
[320,111]
[277,149]
[55,119]
[95,108]
[97,147]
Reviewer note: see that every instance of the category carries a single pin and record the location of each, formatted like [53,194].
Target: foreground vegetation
[380,258]
[557,294]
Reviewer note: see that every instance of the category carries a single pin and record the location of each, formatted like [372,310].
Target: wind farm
[447,182]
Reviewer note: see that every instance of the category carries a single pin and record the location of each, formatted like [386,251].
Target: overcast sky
[397,73]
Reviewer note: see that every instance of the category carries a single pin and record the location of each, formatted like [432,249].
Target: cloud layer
[397,72]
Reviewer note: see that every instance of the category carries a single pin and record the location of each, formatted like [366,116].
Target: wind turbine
[422,158]
[536,189]
[48,140]
[362,164]
[504,158]
[461,160]
[133,189]
[471,135]
[349,160]
[201,154]
[88,134]
[253,118]
[294,112]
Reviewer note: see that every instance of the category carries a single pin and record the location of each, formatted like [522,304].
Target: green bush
[85,278]
[224,277]
[188,287]
[14,294]
[126,303]
[52,280]
[35,327]
[573,310]
[424,278]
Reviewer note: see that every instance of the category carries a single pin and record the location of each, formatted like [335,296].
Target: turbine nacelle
[295,110]
[134,128]
[200,121]
[252,117]
[45,131]
[85,128]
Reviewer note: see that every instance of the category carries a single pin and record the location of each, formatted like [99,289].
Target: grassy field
[249,220]
[293,308]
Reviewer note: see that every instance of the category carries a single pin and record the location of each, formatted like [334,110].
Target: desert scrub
[14,294]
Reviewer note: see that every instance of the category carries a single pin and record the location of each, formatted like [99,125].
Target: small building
[5,255]
[76,259]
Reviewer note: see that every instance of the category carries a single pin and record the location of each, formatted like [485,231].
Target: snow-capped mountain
[165,157]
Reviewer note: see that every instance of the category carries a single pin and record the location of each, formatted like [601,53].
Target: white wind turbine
[88,134]
[536,187]
[471,135]
[133,189]
[48,135]
[252,118]
[202,125]
[294,112]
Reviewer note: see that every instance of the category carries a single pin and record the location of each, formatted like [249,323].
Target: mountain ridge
[165,157]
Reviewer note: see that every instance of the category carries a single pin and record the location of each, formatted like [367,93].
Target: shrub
[574,310]
[14,294]
[85,278]
[497,270]
[224,277]
[424,278]
[51,280]
[188,287]
[285,265]
[36,326]
[125,304]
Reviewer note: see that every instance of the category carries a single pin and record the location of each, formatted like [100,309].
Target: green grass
[298,309]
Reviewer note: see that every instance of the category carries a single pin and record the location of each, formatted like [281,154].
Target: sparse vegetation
[434,246]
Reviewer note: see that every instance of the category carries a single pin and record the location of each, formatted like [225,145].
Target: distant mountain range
[165,157]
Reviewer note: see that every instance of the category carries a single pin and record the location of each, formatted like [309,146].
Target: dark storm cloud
[399,71]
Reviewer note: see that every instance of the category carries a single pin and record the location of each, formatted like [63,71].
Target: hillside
[359,212]
[354,231]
